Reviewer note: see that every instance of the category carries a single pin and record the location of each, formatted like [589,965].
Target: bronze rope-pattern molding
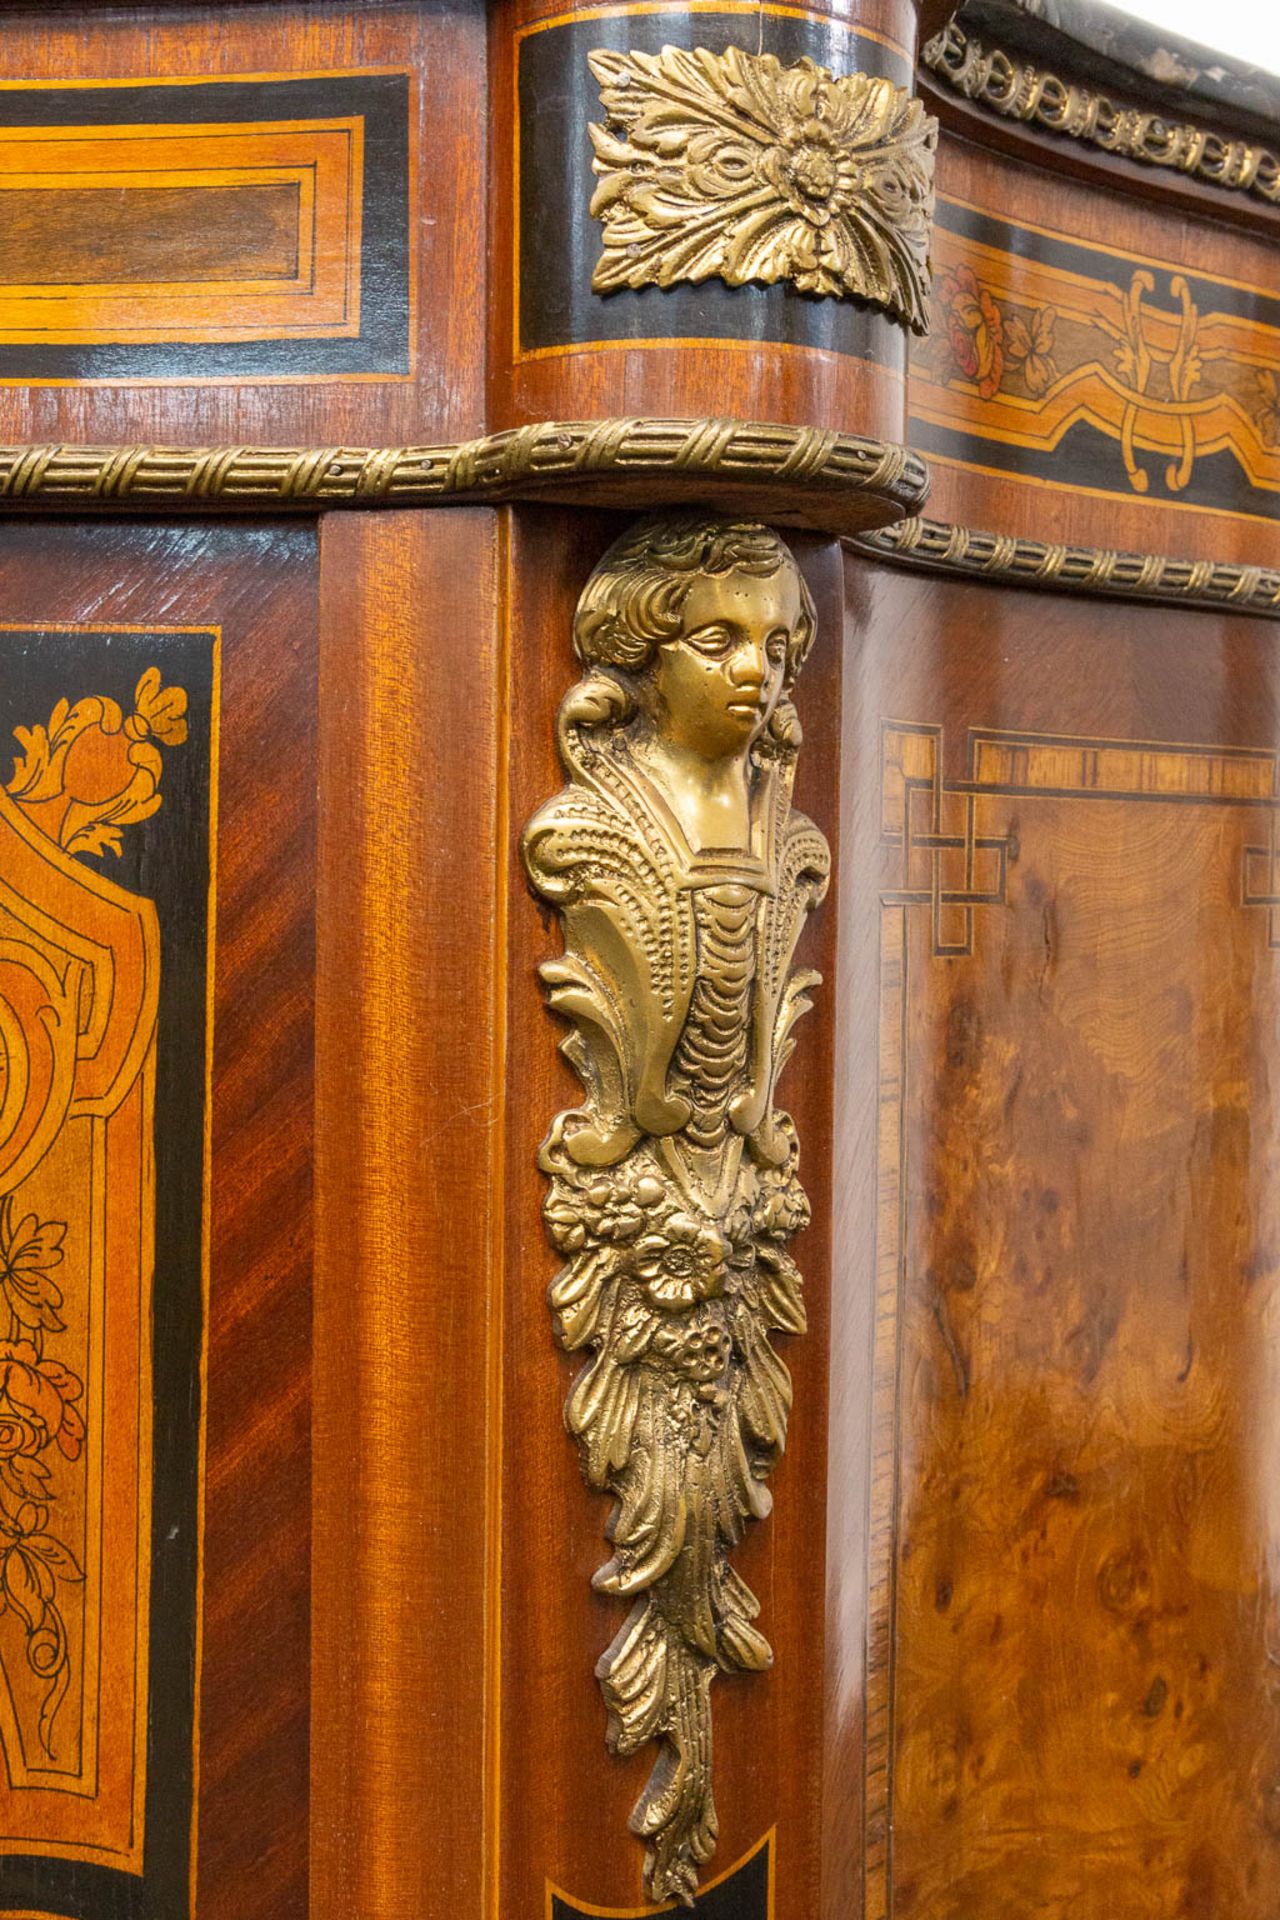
[683,878]
[940,547]
[1020,91]
[800,476]
[803,476]
[732,165]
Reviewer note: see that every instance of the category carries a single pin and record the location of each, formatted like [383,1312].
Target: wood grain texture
[445,52]
[850,1434]
[71,234]
[797,386]
[258,585]
[411,970]
[256,1710]
[1072,1608]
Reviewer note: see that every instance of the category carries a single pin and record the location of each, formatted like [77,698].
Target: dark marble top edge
[1103,47]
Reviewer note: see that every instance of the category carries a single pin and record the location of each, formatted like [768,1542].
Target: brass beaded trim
[793,475]
[1020,91]
[940,547]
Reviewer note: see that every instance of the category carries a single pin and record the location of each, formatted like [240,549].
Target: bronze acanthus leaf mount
[730,165]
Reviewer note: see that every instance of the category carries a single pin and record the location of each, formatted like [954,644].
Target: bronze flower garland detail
[732,165]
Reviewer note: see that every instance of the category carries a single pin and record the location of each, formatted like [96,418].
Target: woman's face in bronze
[716,686]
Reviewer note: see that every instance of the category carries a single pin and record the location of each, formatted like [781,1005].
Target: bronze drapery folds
[683,877]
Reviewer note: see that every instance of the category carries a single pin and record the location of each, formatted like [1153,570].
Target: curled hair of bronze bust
[634,601]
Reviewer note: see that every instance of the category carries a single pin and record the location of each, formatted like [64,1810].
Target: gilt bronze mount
[683,878]
[734,166]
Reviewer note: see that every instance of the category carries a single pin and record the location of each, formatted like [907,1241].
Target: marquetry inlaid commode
[639,922]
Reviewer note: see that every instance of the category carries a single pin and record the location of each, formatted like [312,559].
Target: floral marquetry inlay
[92,771]
[1130,374]
[732,165]
[80,987]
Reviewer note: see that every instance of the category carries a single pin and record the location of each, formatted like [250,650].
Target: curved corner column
[607,311]
[657,304]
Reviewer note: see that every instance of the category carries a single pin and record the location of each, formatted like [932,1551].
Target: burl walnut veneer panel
[1070,960]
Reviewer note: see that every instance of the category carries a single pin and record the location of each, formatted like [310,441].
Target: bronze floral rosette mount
[731,164]
[683,877]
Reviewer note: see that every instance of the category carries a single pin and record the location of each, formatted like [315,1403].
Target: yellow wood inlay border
[683,7]
[139,80]
[322,159]
[494,1409]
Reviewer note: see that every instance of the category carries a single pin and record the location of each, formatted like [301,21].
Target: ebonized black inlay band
[560,241]
[743,1895]
[1091,263]
[379,100]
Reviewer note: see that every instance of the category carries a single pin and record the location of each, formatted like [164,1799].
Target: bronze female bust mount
[683,877]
